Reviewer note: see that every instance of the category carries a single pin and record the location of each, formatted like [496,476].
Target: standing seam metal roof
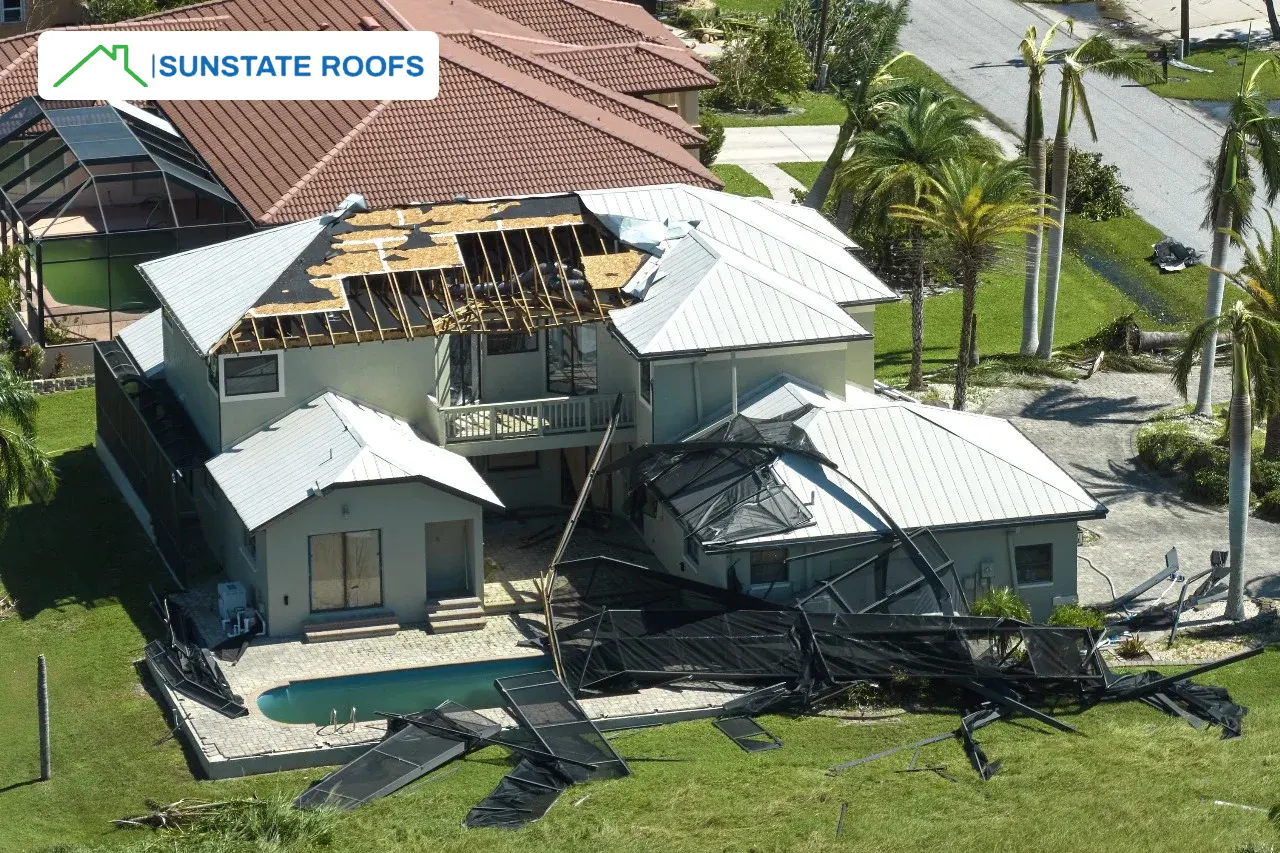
[333,440]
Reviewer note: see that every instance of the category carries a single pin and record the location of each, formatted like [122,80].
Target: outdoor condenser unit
[231,597]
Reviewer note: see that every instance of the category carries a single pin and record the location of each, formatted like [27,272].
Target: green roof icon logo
[116,53]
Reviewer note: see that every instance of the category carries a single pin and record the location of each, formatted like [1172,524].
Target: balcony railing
[531,418]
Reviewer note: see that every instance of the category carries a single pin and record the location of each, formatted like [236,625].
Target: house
[559,95]
[336,407]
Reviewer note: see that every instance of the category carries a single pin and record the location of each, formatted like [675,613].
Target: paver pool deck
[257,744]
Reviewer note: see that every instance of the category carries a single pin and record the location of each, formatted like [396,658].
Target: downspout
[1009,533]
[697,391]
[733,379]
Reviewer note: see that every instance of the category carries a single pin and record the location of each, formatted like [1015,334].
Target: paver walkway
[1088,428]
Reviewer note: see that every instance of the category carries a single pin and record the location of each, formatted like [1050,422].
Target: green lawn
[749,7]
[738,181]
[79,568]
[816,108]
[1226,61]
[805,173]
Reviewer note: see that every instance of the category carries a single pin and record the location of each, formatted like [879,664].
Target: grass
[1223,83]
[749,7]
[739,181]
[805,173]
[79,568]
[810,108]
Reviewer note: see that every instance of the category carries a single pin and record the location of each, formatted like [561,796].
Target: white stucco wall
[401,511]
[187,374]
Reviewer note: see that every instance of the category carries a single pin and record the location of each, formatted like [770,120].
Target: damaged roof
[793,247]
[927,467]
[334,441]
[709,297]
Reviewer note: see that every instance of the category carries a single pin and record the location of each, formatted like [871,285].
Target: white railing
[531,418]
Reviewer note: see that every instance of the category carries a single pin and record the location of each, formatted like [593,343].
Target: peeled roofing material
[926,467]
[708,297]
[759,232]
[329,441]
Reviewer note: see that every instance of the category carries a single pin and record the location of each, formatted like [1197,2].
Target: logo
[238,66]
[111,53]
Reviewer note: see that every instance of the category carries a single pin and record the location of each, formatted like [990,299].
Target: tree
[1036,56]
[1272,20]
[864,47]
[1259,278]
[974,205]
[25,471]
[1097,54]
[1252,136]
[1255,386]
[761,70]
[113,11]
[897,164]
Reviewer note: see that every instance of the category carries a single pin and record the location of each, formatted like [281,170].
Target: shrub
[111,11]
[1266,475]
[1131,647]
[1075,616]
[713,130]
[1165,448]
[1269,505]
[28,360]
[1208,485]
[1094,190]
[1003,602]
[761,70]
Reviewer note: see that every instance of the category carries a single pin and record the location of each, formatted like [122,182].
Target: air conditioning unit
[232,597]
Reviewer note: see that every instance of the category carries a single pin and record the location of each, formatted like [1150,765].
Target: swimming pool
[401,691]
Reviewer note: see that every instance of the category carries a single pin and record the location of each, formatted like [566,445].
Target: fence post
[42,700]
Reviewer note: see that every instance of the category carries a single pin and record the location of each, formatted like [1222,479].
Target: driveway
[1088,428]
[744,146]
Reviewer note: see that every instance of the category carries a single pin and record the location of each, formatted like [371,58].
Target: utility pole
[42,701]
[1186,28]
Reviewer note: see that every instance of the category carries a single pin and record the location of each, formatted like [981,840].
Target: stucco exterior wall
[401,511]
[394,376]
[188,376]
[860,358]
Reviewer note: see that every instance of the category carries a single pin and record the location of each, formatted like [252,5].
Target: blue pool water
[401,692]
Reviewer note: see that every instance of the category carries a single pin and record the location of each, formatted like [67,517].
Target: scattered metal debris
[747,733]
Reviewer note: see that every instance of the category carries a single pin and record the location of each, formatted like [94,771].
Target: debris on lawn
[747,733]
[179,815]
[8,606]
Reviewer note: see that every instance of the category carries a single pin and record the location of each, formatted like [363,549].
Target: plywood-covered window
[346,570]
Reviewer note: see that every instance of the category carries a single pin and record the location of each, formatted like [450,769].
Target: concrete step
[449,626]
[441,605]
[350,631]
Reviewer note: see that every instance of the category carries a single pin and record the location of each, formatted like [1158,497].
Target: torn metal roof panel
[708,297]
[760,232]
[333,440]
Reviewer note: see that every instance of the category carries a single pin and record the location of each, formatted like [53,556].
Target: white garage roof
[330,441]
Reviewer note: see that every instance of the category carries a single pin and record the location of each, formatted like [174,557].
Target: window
[646,382]
[692,550]
[508,344]
[1034,563]
[571,360]
[769,566]
[12,11]
[251,376]
[346,570]
[513,461]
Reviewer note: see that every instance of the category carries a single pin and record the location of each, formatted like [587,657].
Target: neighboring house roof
[334,441]
[144,340]
[779,241]
[808,218]
[286,161]
[643,112]
[927,467]
[637,69]
[584,22]
[206,291]
[708,297]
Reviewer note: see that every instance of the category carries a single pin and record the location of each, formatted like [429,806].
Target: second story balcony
[519,425]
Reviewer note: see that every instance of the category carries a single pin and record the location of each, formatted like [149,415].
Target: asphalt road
[1161,146]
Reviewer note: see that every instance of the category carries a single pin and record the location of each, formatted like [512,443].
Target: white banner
[101,65]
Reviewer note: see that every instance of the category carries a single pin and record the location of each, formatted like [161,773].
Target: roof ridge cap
[325,160]
[514,37]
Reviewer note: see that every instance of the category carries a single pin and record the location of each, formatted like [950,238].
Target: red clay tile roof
[573,22]
[494,131]
[637,69]
[645,113]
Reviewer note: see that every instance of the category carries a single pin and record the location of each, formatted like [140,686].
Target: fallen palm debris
[177,815]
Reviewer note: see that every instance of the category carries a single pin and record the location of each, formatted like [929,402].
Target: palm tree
[897,165]
[1252,134]
[1097,54]
[974,205]
[1255,385]
[25,471]
[864,48]
[1259,277]
[1036,56]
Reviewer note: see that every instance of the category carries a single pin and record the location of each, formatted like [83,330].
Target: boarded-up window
[346,570]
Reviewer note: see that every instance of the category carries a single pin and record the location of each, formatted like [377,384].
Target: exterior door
[448,559]
[346,570]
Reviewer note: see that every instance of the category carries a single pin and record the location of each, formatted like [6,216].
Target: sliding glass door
[571,360]
[346,570]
